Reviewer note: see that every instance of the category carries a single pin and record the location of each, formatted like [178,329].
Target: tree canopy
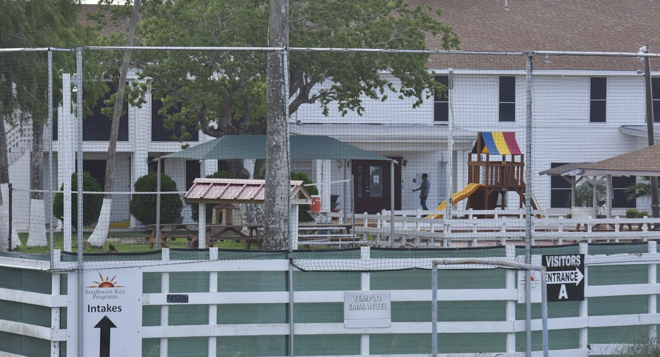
[223,93]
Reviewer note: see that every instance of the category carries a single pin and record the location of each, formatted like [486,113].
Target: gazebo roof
[642,162]
[303,147]
[236,191]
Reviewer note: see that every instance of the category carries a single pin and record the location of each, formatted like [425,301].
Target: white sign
[363,309]
[112,313]
[535,286]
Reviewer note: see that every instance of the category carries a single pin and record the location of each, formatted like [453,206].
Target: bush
[91,203]
[643,214]
[194,207]
[143,207]
[632,213]
[303,216]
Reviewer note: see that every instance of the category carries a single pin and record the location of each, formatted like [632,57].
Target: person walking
[424,188]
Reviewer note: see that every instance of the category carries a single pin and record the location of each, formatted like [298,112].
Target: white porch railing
[502,227]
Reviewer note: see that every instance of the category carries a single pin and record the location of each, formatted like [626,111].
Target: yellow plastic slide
[466,192]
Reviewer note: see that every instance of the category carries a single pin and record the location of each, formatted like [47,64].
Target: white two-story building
[583,108]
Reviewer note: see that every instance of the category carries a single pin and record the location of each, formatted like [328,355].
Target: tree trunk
[259,170]
[4,157]
[37,227]
[235,168]
[4,180]
[276,204]
[100,234]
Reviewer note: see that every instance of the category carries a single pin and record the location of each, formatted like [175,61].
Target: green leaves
[225,91]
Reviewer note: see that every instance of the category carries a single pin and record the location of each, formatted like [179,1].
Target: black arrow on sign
[105,325]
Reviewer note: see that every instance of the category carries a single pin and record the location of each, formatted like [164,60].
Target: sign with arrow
[565,276]
[104,346]
[112,313]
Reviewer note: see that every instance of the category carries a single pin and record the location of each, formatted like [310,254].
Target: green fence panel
[243,281]
[618,305]
[232,346]
[188,346]
[252,314]
[189,282]
[150,347]
[151,283]
[617,274]
[332,312]
[326,281]
[557,340]
[151,315]
[188,315]
[327,345]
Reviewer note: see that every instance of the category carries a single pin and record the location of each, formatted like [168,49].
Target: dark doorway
[372,186]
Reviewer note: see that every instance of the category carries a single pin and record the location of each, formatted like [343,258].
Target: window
[54,133]
[152,165]
[560,190]
[96,127]
[655,87]
[507,98]
[193,171]
[158,130]
[441,101]
[619,185]
[96,169]
[598,100]
[223,165]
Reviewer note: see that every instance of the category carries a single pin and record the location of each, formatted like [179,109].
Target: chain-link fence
[494,132]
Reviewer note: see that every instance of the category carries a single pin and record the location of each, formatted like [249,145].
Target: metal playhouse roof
[210,190]
[303,147]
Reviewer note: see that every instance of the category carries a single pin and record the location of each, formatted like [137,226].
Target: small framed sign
[363,309]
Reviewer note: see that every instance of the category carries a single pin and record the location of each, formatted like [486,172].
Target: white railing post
[511,304]
[213,309]
[652,247]
[365,254]
[164,309]
[583,308]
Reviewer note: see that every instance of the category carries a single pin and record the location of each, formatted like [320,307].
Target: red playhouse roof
[496,143]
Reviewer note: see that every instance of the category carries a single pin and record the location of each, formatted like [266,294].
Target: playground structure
[495,167]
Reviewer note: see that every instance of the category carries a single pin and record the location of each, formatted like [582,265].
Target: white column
[293,225]
[141,140]
[325,190]
[209,167]
[65,157]
[201,243]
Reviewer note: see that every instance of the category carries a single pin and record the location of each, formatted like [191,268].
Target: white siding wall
[393,111]
[562,131]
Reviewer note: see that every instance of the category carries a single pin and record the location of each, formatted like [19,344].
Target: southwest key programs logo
[105,289]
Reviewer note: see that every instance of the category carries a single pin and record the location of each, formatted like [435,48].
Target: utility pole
[655,208]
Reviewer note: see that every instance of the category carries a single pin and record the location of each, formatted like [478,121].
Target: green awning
[303,147]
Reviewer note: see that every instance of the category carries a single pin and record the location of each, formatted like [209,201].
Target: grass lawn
[122,242]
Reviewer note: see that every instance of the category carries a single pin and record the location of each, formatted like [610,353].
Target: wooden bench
[222,232]
[171,231]
[322,234]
